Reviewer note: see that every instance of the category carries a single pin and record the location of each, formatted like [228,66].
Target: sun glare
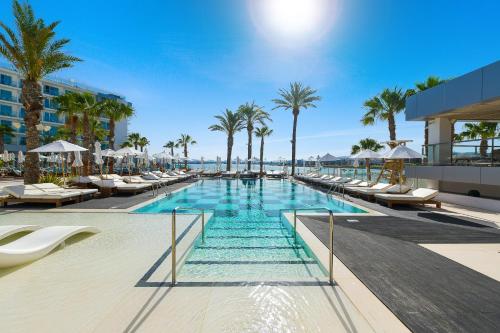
[292,20]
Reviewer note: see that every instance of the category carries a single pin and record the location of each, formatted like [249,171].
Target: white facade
[12,111]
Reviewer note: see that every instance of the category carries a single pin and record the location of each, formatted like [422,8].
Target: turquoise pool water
[247,239]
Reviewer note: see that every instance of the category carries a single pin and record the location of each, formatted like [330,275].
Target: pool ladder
[330,233]
[335,188]
[174,238]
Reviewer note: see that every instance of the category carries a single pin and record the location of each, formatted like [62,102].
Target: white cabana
[202,161]
[5,156]
[59,146]
[402,152]
[238,161]
[367,155]
[218,164]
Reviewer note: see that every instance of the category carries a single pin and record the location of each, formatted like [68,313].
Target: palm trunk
[229,151]
[185,156]
[111,143]
[261,156]
[392,128]
[483,147]
[249,148]
[86,144]
[32,100]
[294,138]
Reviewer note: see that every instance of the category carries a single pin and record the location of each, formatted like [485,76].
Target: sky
[182,62]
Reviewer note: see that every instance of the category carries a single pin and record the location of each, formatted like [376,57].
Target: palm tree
[432,81]
[170,145]
[296,98]
[367,143]
[184,141]
[230,123]
[483,131]
[124,145]
[261,133]
[143,142]
[89,109]
[134,138]
[251,114]
[35,53]
[384,107]
[5,132]
[115,111]
[69,109]
[98,133]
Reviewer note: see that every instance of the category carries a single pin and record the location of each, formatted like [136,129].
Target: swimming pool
[247,239]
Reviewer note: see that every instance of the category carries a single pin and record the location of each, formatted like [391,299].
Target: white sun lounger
[9,230]
[38,244]
[29,193]
[420,196]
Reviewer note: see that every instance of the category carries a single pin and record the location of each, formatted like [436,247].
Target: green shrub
[51,178]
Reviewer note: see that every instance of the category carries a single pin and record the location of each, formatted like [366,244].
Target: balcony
[480,153]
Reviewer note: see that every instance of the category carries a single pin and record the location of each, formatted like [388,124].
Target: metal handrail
[174,239]
[330,242]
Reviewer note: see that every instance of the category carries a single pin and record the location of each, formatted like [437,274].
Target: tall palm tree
[481,130]
[385,106]
[134,138]
[5,132]
[230,123]
[184,141]
[170,145]
[89,109]
[115,111]
[251,114]
[296,98]
[143,142]
[367,143]
[33,50]
[124,145]
[71,111]
[262,132]
[432,81]
[97,131]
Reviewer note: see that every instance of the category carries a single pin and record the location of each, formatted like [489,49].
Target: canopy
[59,146]
[108,153]
[402,152]
[367,153]
[146,156]
[127,151]
[328,158]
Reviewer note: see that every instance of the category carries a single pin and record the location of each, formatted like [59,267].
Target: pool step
[251,271]
[256,254]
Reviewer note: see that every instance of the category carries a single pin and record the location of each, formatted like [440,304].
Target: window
[6,110]
[52,131]
[6,95]
[49,90]
[22,112]
[7,139]
[6,122]
[105,125]
[50,117]
[5,79]
[22,129]
[50,104]
[22,141]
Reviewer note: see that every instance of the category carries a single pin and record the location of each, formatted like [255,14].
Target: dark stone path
[426,291]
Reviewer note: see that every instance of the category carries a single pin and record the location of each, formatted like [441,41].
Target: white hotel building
[12,111]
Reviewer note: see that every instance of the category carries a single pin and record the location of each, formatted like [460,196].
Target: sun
[292,20]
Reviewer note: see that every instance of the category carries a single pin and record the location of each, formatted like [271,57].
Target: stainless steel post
[295,225]
[331,248]
[174,218]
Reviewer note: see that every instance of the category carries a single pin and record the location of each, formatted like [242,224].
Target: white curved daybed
[38,244]
[9,230]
